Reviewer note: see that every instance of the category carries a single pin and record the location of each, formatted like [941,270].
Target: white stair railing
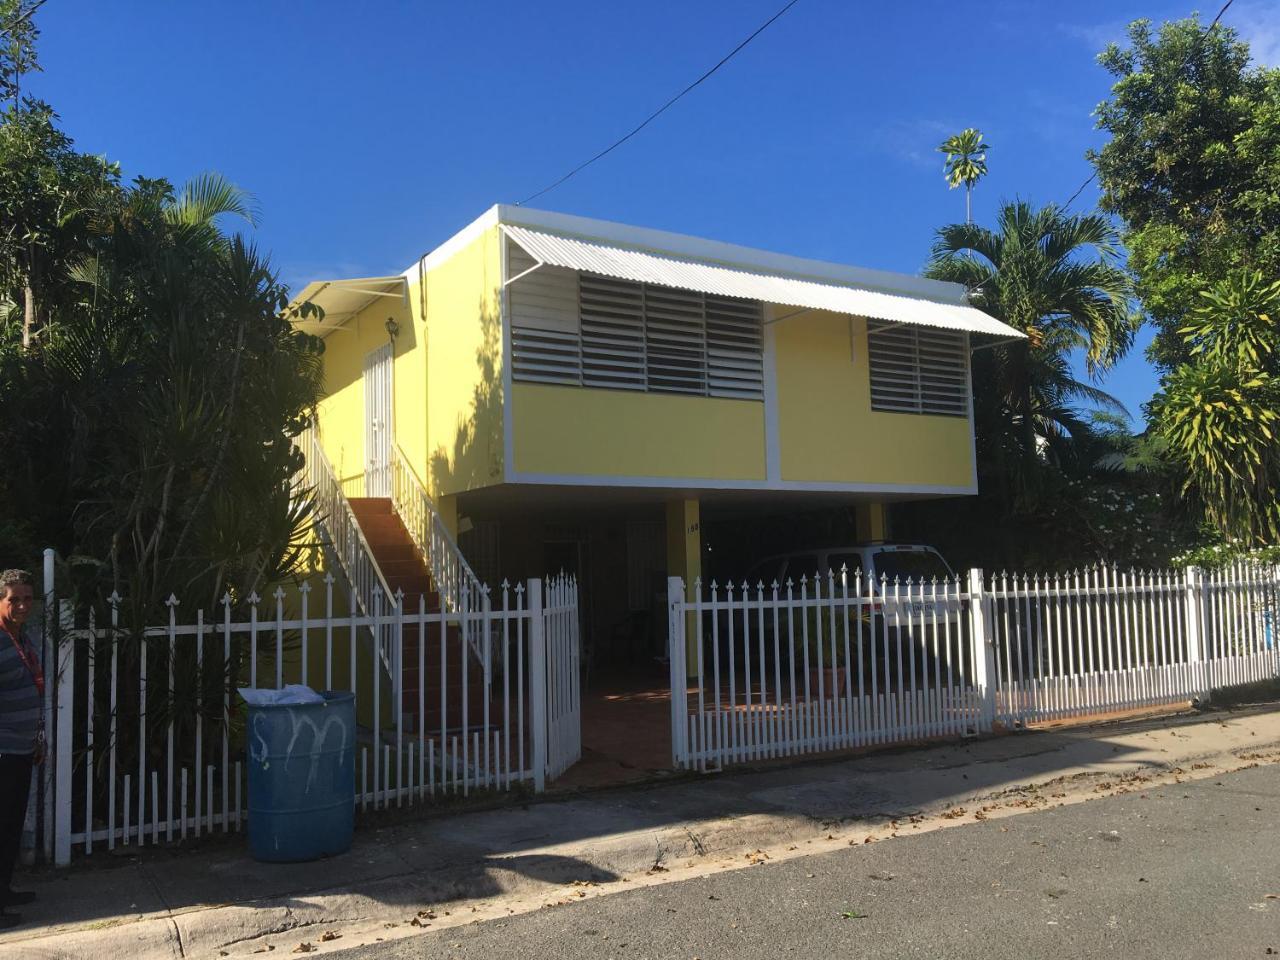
[459,588]
[348,545]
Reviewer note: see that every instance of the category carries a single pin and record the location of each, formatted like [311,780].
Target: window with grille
[919,370]
[594,331]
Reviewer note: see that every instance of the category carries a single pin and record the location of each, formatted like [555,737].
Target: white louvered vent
[612,332]
[544,322]
[735,366]
[914,370]
[675,341]
[584,329]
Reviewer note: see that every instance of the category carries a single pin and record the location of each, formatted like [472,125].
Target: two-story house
[575,394]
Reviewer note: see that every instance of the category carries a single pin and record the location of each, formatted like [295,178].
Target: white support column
[537,685]
[1198,667]
[676,664]
[984,655]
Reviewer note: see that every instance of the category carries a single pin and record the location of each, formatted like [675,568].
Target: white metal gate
[564,693]
[378,437]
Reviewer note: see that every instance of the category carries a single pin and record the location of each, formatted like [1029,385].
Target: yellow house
[582,395]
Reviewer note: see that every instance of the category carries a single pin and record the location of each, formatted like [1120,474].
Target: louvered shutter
[612,313]
[583,329]
[544,322]
[944,372]
[735,367]
[914,370]
[675,341]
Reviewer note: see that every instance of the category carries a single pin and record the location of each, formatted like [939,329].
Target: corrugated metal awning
[341,300]
[791,291]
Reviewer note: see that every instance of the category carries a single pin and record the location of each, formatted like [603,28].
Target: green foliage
[1235,322]
[1059,486]
[1220,413]
[1219,554]
[966,161]
[53,199]
[152,426]
[1054,277]
[1192,167]
[18,35]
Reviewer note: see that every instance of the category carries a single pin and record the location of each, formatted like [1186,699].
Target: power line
[1093,176]
[662,109]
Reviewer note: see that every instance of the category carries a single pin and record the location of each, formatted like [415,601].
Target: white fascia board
[705,483]
[454,244]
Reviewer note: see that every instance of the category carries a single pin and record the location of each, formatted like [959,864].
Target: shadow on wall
[474,459]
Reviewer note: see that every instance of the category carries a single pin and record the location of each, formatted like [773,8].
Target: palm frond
[208,196]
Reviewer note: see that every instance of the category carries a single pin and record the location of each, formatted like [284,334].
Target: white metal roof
[343,299]
[769,287]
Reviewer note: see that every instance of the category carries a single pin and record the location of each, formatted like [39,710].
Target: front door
[378,436]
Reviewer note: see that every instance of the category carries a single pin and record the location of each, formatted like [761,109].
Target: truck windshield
[913,564]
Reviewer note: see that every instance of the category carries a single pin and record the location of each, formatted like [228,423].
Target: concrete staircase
[404,569]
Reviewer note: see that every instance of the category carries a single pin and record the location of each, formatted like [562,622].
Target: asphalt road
[1191,870]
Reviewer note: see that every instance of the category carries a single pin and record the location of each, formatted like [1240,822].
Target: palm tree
[1056,278]
[966,163]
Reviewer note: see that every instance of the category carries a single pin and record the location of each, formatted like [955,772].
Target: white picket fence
[145,734]
[839,661]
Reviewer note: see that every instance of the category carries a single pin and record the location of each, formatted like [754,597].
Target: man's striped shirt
[19,698]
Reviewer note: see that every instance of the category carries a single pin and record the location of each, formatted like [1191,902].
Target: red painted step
[403,568]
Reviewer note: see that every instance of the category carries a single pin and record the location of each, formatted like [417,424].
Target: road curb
[387,906]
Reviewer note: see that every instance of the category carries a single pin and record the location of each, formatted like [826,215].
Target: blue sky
[369,138]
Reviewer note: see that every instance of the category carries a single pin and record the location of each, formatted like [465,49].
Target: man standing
[21,728]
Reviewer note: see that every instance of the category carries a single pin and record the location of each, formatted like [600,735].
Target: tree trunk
[28,315]
[29,299]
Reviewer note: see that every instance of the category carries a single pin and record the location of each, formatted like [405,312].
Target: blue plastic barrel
[302,784]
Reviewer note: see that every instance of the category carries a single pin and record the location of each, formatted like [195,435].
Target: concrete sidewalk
[212,900]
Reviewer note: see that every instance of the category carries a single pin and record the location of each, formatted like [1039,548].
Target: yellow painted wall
[576,430]
[341,410]
[827,429]
[463,415]
[447,378]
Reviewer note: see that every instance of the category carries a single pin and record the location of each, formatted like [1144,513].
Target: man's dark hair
[12,578]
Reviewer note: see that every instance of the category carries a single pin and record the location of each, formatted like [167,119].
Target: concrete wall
[619,433]
[827,430]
